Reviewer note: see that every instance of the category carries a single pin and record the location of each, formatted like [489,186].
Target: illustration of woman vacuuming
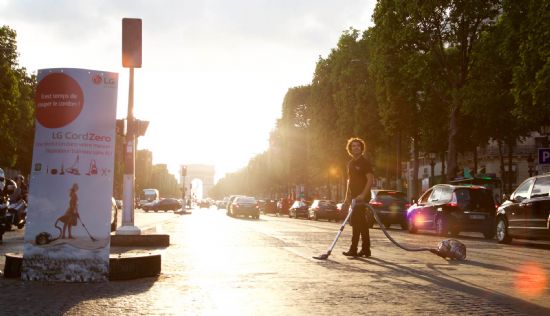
[70,217]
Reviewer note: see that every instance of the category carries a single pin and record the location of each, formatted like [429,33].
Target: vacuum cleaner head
[322,257]
[450,248]
[43,238]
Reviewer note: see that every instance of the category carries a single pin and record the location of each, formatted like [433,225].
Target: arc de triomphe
[203,172]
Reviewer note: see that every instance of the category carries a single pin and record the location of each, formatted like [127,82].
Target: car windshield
[390,196]
[246,200]
[476,198]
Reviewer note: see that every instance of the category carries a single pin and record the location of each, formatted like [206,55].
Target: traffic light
[138,128]
[131,43]
[121,127]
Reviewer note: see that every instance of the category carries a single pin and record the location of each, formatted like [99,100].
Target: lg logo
[97,79]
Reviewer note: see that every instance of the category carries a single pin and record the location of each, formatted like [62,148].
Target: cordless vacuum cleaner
[449,248]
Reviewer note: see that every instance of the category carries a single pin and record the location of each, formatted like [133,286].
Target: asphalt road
[218,265]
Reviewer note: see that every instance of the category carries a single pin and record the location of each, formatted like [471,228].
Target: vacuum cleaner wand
[329,250]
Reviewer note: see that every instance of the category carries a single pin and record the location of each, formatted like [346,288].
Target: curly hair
[352,140]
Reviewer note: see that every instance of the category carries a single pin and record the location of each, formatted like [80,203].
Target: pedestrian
[70,217]
[360,180]
[21,190]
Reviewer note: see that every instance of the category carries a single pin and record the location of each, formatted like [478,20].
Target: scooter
[16,214]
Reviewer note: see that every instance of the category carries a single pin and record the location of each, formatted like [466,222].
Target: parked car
[167,204]
[245,205]
[204,203]
[391,207]
[526,213]
[454,208]
[268,206]
[323,209]
[342,213]
[229,202]
[282,206]
[299,209]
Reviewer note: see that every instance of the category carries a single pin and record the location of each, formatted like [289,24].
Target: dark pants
[359,223]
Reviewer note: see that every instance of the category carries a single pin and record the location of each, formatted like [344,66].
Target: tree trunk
[398,169]
[443,168]
[501,158]
[474,172]
[414,191]
[451,156]
[510,154]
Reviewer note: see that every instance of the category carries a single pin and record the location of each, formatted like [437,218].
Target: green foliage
[528,23]
[16,106]
[450,74]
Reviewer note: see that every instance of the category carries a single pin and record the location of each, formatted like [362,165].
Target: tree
[16,106]
[441,35]
[528,26]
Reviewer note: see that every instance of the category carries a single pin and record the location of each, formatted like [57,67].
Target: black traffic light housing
[131,43]
[137,127]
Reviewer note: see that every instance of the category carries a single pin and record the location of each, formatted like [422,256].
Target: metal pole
[128,227]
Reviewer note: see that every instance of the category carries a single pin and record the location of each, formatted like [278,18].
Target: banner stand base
[121,266]
[128,230]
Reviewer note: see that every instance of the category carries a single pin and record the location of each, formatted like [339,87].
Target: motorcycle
[13,207]
[16,214]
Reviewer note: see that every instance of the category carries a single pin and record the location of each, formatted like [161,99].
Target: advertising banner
[68,220]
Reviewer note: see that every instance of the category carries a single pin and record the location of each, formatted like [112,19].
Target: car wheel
[441,226]
[412,227]
[455,232]
[404,225]
[386,224]
[502,231]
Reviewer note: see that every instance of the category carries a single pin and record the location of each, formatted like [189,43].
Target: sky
[214,73]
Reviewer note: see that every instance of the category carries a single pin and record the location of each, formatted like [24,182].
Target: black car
[326,209]
[268,206]
[167,204]
[299,209]
[454,208]
[526,213]
[390,206]
[229,202]
[246,206]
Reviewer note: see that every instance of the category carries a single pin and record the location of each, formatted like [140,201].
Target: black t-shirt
[357,174]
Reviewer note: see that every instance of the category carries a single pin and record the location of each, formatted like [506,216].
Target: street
[219,265]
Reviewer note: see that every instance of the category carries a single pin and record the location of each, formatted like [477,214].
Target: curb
[149,240]
[121,267]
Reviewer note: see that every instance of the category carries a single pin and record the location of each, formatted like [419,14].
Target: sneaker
[350,253]
[364,253]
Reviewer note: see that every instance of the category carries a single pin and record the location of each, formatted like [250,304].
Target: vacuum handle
[350,211]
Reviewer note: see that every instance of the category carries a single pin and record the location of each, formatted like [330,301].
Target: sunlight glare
[531,280]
